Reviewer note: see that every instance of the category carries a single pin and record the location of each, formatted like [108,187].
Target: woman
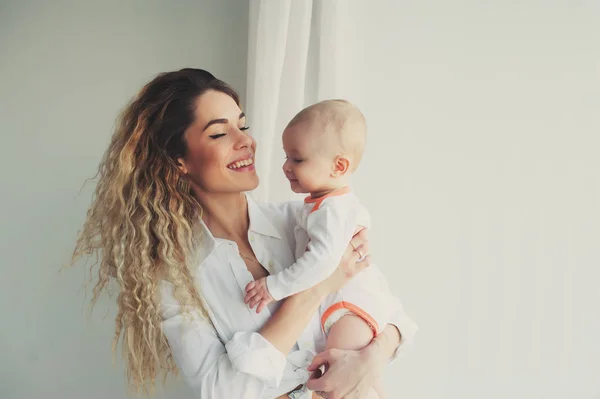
[171,224]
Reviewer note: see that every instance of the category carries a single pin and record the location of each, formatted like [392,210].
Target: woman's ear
[182,166]
[341,165]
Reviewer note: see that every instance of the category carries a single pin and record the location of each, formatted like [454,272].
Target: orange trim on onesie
[319,200]
[354,309]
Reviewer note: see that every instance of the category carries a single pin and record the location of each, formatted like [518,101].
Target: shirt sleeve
[397,317]
[329,229]
[245,367]
[405,325]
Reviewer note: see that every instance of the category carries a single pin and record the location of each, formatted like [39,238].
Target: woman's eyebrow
[221,121]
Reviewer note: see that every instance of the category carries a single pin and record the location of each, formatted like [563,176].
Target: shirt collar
[334,193]
[319,200]
[207,243]
[259,222]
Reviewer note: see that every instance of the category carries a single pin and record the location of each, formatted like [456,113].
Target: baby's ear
[341,166]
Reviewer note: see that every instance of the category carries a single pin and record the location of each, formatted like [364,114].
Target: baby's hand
[258,293]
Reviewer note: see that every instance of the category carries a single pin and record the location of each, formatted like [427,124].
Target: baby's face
[309,161]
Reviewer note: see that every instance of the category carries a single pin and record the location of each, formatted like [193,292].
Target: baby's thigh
[349,332]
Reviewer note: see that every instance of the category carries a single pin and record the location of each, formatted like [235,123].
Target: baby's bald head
[339,125]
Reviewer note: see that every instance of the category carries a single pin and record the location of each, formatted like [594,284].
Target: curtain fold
[292,63]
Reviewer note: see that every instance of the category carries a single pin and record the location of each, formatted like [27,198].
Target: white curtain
[480,170]
[293,61]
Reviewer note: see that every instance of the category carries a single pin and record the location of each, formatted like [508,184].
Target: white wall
[66,69]
[483,176]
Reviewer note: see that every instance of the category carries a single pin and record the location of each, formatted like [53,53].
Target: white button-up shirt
[226,357]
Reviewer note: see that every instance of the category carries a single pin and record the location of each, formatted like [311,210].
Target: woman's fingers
[358,229]
[319,360]
[354,260]
[359,238]
[362,250]
[360,243]
[363,263]
[360,256]
[320,384]
[358,264]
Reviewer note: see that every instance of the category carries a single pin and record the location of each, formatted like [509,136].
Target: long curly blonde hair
[141,225]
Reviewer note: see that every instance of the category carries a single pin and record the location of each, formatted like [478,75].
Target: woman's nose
[244,140]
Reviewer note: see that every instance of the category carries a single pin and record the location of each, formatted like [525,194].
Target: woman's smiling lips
[242,165]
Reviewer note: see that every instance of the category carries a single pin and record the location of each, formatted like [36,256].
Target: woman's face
[220,153]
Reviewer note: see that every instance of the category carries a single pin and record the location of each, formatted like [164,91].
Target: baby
[324,144]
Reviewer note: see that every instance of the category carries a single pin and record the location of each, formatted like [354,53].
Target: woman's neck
[226,215]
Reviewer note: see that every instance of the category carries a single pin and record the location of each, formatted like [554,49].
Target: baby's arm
[257,294]
[329,229]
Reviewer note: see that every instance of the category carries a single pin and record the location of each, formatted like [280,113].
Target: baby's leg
[352,332]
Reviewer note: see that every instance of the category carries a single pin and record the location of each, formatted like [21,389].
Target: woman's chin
[246,180]
[251,183]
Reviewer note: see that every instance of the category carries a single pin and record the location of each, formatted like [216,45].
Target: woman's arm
[250,363]
[283,329]
[206,364]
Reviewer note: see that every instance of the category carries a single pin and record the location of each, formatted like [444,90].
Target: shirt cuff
[407,328]
[272,283]
[252,354]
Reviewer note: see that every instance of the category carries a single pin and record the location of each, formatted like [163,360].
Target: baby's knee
[349,332]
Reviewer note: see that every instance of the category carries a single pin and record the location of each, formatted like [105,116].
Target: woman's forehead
[216,105]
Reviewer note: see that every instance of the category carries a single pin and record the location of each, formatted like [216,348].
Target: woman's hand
[354,260]
[349,374]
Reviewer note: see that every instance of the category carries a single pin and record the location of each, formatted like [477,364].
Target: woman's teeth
[240,164]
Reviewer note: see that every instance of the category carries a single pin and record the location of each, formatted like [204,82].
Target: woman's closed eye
[219,135]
